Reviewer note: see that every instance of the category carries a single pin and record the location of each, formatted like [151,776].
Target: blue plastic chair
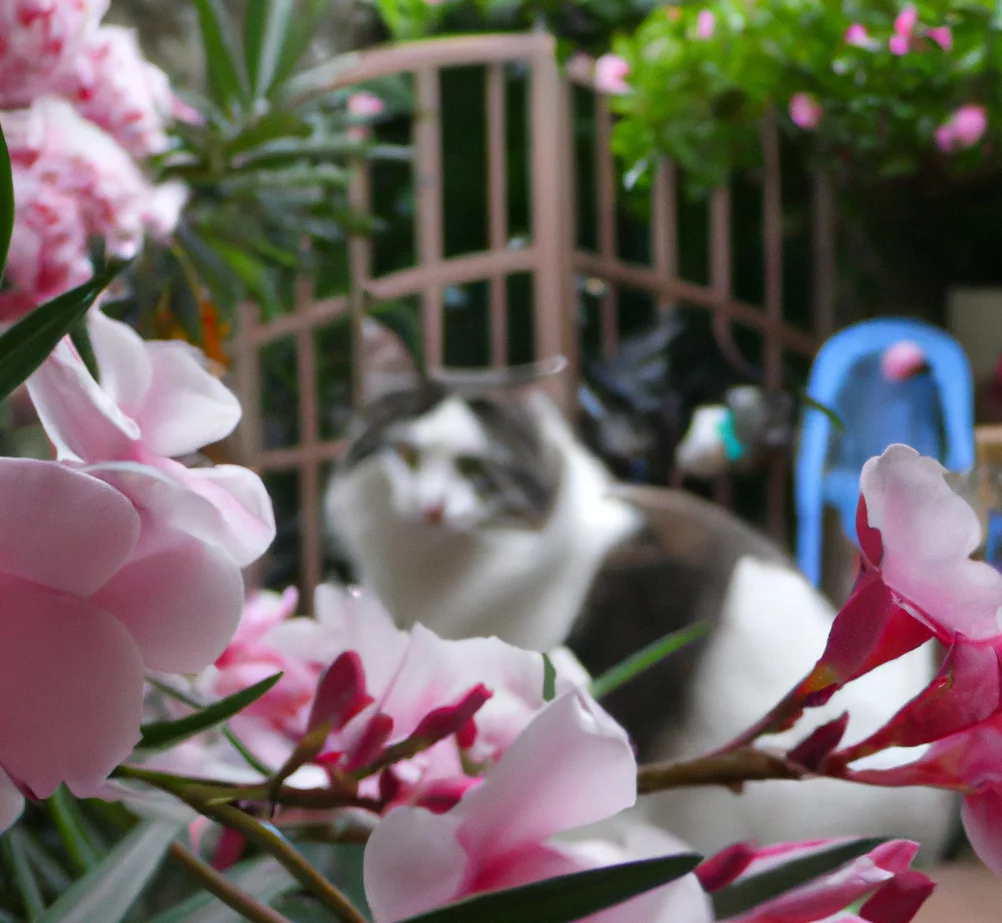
[933,413]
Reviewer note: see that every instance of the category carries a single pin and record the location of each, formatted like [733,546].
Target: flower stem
[731,769]
[225,890]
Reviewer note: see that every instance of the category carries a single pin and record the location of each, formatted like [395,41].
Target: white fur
[702,452]
[459,580]
[774,627]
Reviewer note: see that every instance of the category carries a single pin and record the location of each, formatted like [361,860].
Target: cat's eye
[469,466]
[409,453]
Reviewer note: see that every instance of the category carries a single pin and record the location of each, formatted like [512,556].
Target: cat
[485,515]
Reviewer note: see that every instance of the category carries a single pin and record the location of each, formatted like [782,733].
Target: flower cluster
[115,558]
[880,92]
[81,109]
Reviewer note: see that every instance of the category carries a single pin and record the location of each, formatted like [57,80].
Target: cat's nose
[434,513]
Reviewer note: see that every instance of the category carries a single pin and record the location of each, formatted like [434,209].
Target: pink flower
[880,875]
[902,360]
[112,84]
[610,74]
[805,110]
[70,665]
[156,402]
[905,22]
[968,123]
[72,181]
[37,39]
[942,36]
[571,766]
[857,36]
[363,106]
[706,24]
[899,44]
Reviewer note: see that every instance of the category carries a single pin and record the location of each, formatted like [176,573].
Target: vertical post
[497,203]
[772,234]
[310,536]
[428,193]
[825,254]
[550,193]
[360,271]
[664,225]
[248,383]
[605,184]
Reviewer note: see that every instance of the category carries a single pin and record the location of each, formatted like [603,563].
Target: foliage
[869,101]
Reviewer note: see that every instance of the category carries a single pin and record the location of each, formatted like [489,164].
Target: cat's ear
[387,364]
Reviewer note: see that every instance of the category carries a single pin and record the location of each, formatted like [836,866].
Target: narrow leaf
[25,346]
[646,658]
[266,27]
[812,404]
[225,84]
[66,813]
[567,897]
[549,679]
[6,201]
[15,857]
[302,31]
[105,894]
[743,895]
[162,734]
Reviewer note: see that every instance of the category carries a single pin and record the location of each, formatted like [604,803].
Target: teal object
[732,445]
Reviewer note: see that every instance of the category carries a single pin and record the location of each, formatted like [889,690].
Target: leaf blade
[6,201]
[226,86]
[161,734]
[106,892]
[646,658]
[266,31]
[26,345]
[567,897]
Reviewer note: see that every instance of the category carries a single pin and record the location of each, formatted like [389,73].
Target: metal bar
[644,278]
[664,224]
[605,184]
[428,193]
[825,254]
[497,217]
[550,192]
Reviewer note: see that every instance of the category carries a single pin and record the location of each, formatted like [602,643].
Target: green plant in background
[876,89]
[267,155]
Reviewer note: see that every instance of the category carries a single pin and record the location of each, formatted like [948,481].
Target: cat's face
[456,464]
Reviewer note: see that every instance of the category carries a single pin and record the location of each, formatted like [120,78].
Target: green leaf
[266,27]
[225,83]
[6,201]
[742,896]
[262,878]
[646,658]
[106,892]
[15,857]
[162,734]
[69,822]
[549,679]
[566,897]
[812,404]
[25,346]
[302,31]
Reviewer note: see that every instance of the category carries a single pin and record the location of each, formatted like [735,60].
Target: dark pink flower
[942,36]
[805,110]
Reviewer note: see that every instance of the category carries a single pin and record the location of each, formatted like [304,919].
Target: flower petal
[187,406]
[239,495]
[571,766]
[982,817]
[126,371]
[413,863]
[81,420]
[61,528]
[179,597]
[77,675]
[11,801]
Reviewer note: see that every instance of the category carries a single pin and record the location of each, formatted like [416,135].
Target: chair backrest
[934,413]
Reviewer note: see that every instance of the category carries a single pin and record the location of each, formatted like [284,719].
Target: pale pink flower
[805,110]
[610,74]
[112,84]
[156,402]
[857,36]
[572,766]
[164,205]
[942,36]
[37,39]
[365,104]
[706,24]
[944,137]
[969,124]
[918,534]
[899,44]
[906,21]
[902,360]
[72,182]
